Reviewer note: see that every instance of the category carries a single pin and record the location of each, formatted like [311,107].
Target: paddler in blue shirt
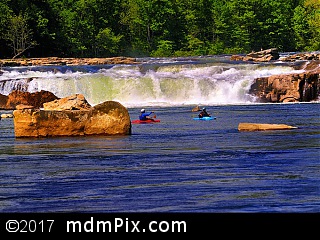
[145,116]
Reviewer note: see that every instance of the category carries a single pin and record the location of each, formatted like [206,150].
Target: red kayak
[145,121]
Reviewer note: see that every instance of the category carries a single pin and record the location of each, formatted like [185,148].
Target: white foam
[163,85]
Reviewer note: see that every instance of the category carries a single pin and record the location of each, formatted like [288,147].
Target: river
[176,165]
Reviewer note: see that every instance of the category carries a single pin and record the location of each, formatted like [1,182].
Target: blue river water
[176,165]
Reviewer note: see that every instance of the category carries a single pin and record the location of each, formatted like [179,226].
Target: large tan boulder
[73,102]
[108,118]
[263,127]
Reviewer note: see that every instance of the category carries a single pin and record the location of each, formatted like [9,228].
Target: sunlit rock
[6,115]
[302,87]
[66,61]
[73,102]
[108,118]
[260,56]
[263,127]
[196,109]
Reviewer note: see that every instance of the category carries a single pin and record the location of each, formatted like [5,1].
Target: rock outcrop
[108,118]
[302,87]
[263,127]
[3,101]
[261,56]
[301,56]
[16,97]
[273,54]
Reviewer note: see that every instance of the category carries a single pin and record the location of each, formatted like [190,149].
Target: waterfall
[156,83]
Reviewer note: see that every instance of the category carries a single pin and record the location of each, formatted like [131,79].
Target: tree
[313,18]
[19,35]
[88,28]
[5,15]
[107,42]
[301,28]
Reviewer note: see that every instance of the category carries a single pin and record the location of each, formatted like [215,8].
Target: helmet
[203,108]
[142,110]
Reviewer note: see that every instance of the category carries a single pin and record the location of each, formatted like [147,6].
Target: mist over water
[154,82]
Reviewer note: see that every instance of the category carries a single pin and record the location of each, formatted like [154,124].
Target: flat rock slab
[66,61]
[263,127]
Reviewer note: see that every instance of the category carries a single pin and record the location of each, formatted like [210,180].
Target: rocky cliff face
[303,87]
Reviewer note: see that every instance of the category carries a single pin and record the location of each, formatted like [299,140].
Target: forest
[156,28]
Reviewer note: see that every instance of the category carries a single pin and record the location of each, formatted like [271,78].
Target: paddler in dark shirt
[204,113]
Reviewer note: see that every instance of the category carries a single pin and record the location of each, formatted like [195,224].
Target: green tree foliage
[107,43]
[19,35]
[5,16]
[306,25]
[103,28]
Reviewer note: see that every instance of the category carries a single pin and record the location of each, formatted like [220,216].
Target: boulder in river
[107,118]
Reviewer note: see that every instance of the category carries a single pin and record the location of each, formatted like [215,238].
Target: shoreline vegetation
[138,28]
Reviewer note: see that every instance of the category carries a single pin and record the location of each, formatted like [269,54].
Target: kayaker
[144,116]
[204,113]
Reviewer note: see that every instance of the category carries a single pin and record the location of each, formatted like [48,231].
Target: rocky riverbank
[273,54]
[304,87]
[65,61]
